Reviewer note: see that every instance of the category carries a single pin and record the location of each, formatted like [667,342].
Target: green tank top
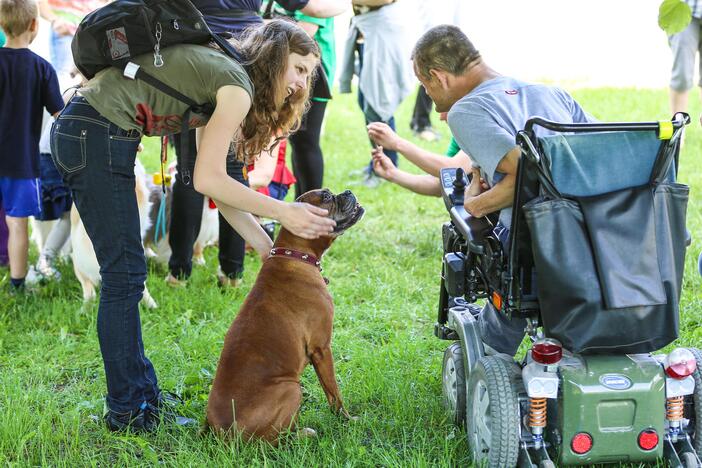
[193,70]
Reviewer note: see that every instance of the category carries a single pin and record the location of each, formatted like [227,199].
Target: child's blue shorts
[20,197]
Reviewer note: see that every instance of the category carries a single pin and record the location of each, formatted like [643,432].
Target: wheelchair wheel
[453,376]
[696,416]
[492,412]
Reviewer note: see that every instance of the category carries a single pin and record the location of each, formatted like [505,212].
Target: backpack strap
[133,71]
[227,48]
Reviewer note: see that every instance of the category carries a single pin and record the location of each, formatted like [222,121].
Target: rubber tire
[689,461]
[453,362]
[497,379]
[696,439]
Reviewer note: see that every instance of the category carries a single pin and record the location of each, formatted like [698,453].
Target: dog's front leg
[323,363]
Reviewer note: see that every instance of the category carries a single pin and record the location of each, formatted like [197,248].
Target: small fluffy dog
[284,324]
[85,264]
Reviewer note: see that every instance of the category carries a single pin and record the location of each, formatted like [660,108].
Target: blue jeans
[60,53]
[96,160]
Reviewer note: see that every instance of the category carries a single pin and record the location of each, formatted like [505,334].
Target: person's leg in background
[421,120]
[369,178]
[56,205]
[373,180]
[18,250]
[186,217]
[684,47]
[20,198]
[61,56]
[307,156]
[232,247]
[4,233]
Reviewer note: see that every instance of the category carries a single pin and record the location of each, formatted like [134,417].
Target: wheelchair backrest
[588,164]
[592,202]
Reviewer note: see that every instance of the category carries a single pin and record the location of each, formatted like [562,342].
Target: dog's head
[343,208]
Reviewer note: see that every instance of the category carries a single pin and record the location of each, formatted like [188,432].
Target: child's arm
[264,169]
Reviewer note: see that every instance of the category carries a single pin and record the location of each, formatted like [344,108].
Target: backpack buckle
[130,70]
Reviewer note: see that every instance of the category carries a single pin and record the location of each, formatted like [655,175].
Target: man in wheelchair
[595,210]
[486,110]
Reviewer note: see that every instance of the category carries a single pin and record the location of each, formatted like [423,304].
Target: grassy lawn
[384,278]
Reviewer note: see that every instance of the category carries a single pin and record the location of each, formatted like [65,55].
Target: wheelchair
[593,265]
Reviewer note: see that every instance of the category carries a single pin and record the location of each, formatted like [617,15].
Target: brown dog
[284,324]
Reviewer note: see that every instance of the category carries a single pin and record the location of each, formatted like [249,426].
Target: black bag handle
[543,171]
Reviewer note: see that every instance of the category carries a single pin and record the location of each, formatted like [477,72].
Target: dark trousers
[422,110]
[307,157]
[96,160]
[186,218]
[370,114]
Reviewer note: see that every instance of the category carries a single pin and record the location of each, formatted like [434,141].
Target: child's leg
[20,198]
[57,236]
[18,246]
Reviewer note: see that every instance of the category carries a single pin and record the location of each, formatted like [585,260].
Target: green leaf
[674,16]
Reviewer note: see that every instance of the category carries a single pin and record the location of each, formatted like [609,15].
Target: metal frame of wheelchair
[532,412]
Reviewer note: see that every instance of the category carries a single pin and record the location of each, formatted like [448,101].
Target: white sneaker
[32,278]
[45,269]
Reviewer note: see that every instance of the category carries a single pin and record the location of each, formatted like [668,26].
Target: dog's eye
[326,197]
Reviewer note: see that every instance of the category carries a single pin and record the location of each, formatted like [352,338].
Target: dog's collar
[297,255]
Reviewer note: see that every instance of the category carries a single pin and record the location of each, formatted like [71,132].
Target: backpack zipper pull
[158,58]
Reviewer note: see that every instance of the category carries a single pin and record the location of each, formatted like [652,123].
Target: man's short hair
[16,16]
[445,48]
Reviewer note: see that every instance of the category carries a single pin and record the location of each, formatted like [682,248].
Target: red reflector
[547,351]
[212,205]
[581,443]
[680,363]
[648,439]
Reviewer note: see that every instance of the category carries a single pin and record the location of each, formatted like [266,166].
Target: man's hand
[477,184]
[382,165]
[383,135]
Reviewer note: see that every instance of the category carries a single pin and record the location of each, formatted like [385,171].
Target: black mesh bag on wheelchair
[608,239]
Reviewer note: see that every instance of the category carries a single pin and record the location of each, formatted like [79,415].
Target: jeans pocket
[69,151]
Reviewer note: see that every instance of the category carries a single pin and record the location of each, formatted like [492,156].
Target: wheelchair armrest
[473,229]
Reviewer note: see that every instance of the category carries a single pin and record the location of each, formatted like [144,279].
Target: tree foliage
[674,16]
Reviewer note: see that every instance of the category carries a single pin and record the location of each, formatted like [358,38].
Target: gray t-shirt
[485,122]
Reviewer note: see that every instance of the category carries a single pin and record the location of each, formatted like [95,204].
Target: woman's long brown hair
[265,51]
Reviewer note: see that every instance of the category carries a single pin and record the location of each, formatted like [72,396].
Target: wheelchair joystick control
[459,187]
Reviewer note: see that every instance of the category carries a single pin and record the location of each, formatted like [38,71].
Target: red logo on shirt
[154,124]
[511,92]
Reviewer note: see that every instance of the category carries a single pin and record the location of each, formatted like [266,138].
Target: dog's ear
[317,197]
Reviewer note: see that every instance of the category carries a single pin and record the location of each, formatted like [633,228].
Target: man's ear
[441,76]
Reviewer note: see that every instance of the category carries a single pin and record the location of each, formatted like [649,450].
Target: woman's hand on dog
[306,221]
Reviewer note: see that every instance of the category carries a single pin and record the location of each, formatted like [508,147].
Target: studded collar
[297,255]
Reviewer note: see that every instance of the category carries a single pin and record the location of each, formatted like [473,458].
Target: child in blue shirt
[28,84]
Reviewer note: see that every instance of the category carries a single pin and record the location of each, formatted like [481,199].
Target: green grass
[384,278]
